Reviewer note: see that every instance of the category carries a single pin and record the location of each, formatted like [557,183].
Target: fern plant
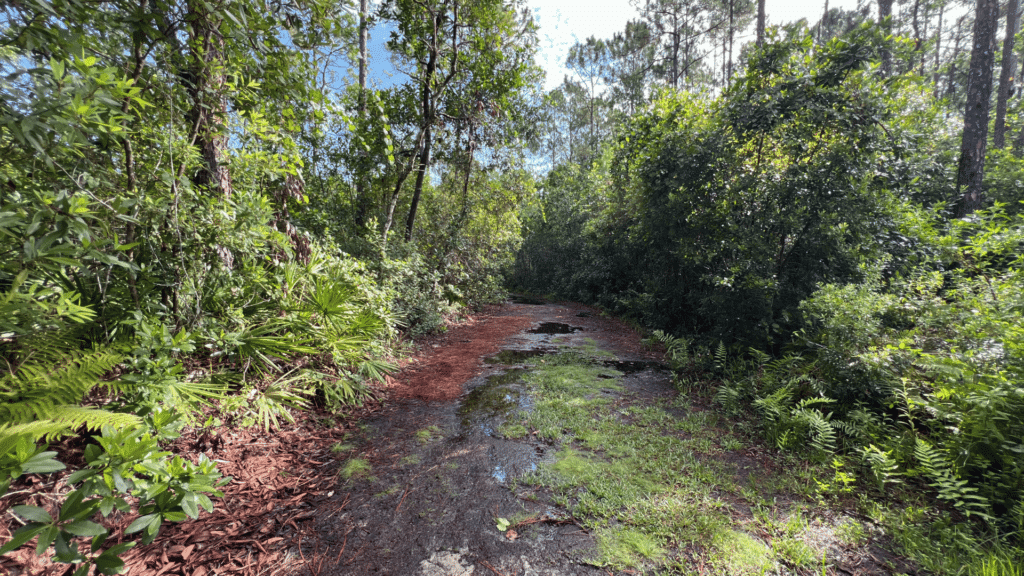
[41,393]
[944,478]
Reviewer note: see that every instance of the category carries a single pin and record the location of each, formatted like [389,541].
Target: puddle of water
[555,328]
[515,356]
[491,403]
[633,366]
[520,299]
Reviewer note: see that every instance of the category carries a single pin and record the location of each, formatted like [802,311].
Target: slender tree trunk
[421,172]
[950,86]
[916,24]
[936,77]
[1009,64]
[361,194]
[760,22]
[823,25]
[732,23]
[389,211]
[884,15]
[206,89]
[924,34]
[969,181]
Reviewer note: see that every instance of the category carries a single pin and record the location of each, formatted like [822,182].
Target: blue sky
[564,22]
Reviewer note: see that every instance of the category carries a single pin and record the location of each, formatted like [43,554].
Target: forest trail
[430,476]
[543,439]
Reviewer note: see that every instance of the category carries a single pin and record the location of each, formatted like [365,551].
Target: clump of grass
[740,553]
[513,431]
[624,472]
[355,468]
[620,547]
[342,447]
[427,434]
[410,460]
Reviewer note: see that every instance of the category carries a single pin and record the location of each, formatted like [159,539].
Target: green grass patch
[622,548]
[624,470]
[740,553]
[355,468]
[427,434]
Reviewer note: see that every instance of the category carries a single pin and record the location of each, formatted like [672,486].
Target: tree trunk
[421,172]
[936,77]
[760,23]
[389,212]
[427,109]
[823,25]
[950,86]
[969,185]
[206,89]
[1009,64]
[884,18]
[361,195]
[916,25]
[732,38]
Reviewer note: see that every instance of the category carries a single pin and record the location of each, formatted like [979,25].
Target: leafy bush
[921,373]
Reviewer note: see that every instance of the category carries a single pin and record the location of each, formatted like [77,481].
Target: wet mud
[440,473]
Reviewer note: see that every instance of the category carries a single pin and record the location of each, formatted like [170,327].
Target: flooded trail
[426,484]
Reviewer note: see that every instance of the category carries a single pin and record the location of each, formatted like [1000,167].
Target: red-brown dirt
[279,480]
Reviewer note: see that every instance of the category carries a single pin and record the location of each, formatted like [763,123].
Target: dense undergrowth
[792,240]
[192,233]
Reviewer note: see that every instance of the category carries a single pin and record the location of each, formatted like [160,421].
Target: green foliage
[921,373]
[716,217]
[126,463]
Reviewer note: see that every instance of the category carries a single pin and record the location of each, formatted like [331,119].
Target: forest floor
[533,439]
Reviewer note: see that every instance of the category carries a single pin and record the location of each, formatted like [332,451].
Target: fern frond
[74,417]
[943,477]
[37,391]
[721,356]
[34,431]
[773,405]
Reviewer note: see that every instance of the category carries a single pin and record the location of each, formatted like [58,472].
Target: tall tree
[630,66]
[440,42]
[970,173]
[760,22]
[938,51]
[206,90]
[361,193]
[885,19]
[1009,65]
[589,60]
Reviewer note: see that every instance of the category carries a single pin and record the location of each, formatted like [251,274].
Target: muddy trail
[428,479]
[543,439]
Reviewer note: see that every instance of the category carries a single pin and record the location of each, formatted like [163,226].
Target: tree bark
[421,172]
[427,109]
[389,212]
[206,89]
[970,174]
[361,195]
[1009,64]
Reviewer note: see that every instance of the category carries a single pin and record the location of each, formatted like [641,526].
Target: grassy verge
[668,486]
